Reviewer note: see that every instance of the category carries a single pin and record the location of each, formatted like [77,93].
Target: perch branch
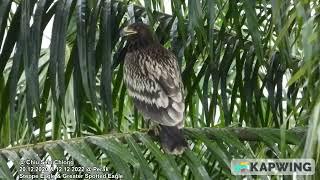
[243,134]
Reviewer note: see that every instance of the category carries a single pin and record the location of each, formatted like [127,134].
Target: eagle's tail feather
[172,139]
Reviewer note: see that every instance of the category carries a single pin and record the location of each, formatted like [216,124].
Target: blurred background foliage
[244,63]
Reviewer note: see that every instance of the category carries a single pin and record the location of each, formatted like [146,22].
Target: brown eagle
[153,81]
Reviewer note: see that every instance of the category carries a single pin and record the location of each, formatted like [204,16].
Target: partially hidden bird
[153,80]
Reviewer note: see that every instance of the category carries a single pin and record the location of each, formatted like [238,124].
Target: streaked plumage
[153,80]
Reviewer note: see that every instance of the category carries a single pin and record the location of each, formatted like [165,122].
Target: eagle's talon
[156,130]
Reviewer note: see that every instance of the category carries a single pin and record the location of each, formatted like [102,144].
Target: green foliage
[244,64]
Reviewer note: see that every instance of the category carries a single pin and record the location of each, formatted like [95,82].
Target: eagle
[153,81]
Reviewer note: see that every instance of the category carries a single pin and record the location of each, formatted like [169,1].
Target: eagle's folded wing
[158,92]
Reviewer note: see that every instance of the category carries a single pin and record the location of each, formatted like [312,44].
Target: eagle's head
[138,34]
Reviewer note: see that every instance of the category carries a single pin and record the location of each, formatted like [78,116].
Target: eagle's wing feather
[166,72]
[158,91]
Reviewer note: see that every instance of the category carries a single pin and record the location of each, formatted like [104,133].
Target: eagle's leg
[154,131]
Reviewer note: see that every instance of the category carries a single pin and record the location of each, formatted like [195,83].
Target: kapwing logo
[242,167]
[272,166]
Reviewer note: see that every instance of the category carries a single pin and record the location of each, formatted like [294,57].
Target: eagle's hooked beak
[127,31]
